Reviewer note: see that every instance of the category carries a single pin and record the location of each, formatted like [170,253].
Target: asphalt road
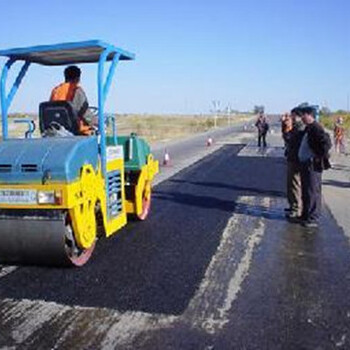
[216,266]
[195,143]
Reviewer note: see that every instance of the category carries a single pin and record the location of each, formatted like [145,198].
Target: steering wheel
[93,110]
[92,119]
[91,116]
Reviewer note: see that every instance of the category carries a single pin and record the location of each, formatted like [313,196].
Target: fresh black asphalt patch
[296,295]
[156,266]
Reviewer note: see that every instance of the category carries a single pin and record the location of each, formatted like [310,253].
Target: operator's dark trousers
[294,187]
[311,183]
[262,137]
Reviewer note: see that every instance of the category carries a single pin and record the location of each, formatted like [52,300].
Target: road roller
[62,192]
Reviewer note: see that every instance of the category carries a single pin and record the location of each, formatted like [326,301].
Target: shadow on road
[341,167]
[222,205]
[244,190]
[336,183]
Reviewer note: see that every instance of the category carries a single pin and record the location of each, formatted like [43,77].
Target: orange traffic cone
[209,141]
[166,159]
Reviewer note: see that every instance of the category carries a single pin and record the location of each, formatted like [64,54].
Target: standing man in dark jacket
[314,158]
[263,127]
[292,140]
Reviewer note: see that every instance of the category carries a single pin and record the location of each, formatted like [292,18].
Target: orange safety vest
[66,92]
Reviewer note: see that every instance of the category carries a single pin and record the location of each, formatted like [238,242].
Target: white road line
[177,166]
[208,309]
[252,150]
[112,326]
[5,270]
[131,325]
[237,279]
[36,314]
[224,277]
[234,140]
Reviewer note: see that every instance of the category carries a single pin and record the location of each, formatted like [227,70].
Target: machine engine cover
[58,158]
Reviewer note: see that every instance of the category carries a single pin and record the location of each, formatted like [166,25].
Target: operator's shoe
[309,224]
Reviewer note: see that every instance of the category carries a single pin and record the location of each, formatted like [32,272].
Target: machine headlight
[49,197]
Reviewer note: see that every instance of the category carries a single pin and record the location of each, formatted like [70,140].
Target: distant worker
[314,158]
[263,127]
[292,137]
[339,136]
[71,91]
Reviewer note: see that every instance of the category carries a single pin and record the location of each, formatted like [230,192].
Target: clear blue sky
[189,52]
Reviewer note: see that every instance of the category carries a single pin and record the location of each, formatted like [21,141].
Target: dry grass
[156,128]
[153,128]
[329,121]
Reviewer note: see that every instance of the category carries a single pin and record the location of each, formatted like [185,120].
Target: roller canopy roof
[66,53]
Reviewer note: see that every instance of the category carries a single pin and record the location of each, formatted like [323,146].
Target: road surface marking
[5,270]
[208,309]
[201,152]
[224,277]
[113,327]
[252,150]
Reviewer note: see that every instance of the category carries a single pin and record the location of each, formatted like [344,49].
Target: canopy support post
[103,88]
[6,99]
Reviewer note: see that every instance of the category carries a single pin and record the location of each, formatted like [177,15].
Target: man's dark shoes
[292,215]
[309,224]
[295,219]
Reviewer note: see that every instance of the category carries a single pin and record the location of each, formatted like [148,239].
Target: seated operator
[71,91]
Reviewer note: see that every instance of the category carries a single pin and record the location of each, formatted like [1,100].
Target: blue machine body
[62,157]
[62,54]
[31,160]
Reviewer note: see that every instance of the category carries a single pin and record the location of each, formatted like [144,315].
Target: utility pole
[229,113]
[216,105]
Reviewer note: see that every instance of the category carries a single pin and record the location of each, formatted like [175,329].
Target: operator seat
[58,112]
